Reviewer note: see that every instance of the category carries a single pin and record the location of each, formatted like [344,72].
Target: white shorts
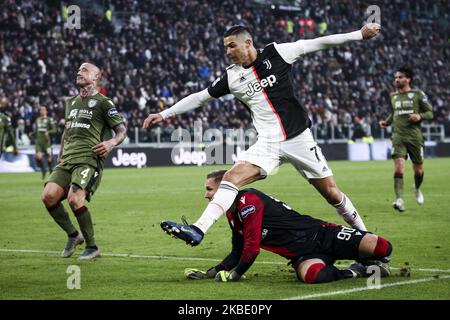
[302,152]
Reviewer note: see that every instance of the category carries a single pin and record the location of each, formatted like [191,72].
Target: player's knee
[49,198]
[74,202]
[383,248]
[311,275]
[242,174]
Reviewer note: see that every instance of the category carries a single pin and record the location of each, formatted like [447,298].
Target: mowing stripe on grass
[136,256]
[394,284]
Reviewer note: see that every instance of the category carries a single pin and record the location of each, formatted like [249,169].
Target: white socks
[348,212]
[222,201]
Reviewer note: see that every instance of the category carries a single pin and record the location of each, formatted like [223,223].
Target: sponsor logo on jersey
[79,125]
[86,114]
[411,95]
[112,112]
[73,114]
[125,159]
[256,87]
[247,210]
[401,112]
[267,64]
[92,103]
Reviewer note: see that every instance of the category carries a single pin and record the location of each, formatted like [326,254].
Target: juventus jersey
[266,89]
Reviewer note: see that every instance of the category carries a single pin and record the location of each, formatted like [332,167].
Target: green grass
[130,203]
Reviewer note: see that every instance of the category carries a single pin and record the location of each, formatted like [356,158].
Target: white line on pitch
[394,284]
[136,256]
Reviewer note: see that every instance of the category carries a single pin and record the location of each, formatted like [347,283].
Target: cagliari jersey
[43,126]
[88,122]
[266,88]
[403,105]
[6,129]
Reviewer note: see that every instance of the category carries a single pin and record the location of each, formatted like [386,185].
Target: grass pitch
[142,262]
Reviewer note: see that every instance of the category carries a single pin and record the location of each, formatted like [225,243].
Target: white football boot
[399,205]
[419,195]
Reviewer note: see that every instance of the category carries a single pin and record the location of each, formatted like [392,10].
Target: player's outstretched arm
[368,31]
[291,52]
[190,102]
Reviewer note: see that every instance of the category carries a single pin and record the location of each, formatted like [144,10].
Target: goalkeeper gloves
[226,276]
[196,274]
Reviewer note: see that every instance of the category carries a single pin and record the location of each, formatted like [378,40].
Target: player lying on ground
[312,245]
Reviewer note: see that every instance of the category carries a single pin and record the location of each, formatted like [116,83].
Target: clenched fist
[370,30]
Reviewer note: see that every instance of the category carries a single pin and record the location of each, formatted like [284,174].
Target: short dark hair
[237,30]
[406,71]
[217,175]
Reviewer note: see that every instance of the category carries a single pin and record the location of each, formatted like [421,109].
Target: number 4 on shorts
[85,173]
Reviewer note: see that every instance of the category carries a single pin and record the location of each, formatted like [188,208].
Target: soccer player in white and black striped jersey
[262,80]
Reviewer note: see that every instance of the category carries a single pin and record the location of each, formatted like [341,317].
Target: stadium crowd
[161,51]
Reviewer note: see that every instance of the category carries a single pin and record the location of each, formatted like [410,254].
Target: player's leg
[344,243]
[415,152]
[307,157]
[316,270]
[399,154]
[374,247]
[240,174]
[52,195]
[49,157]
[254,164]
[418,179]
[82,178]
[399,170]
[39,162]
[343,205]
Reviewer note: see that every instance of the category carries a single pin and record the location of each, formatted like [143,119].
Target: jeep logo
[133,159]
[255,87]
[188,157]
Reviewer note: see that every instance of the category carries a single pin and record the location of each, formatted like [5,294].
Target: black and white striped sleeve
[219,87]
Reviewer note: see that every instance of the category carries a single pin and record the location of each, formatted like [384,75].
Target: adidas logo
[242,78]
[324,169]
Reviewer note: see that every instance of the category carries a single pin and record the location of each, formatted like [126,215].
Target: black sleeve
[219,87]
[232,259]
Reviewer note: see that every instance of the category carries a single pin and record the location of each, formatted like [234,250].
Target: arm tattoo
[121,133]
